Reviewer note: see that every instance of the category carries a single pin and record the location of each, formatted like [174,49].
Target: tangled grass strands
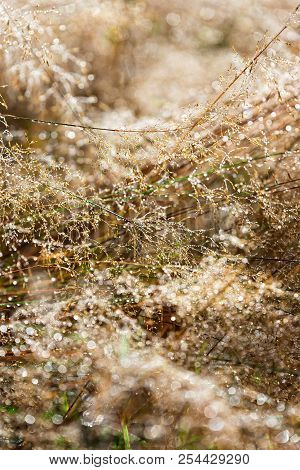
[149,299]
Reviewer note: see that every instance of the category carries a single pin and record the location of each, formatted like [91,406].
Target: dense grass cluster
[149,224]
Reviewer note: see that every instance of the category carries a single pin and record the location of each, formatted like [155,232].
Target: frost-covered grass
[149,290]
